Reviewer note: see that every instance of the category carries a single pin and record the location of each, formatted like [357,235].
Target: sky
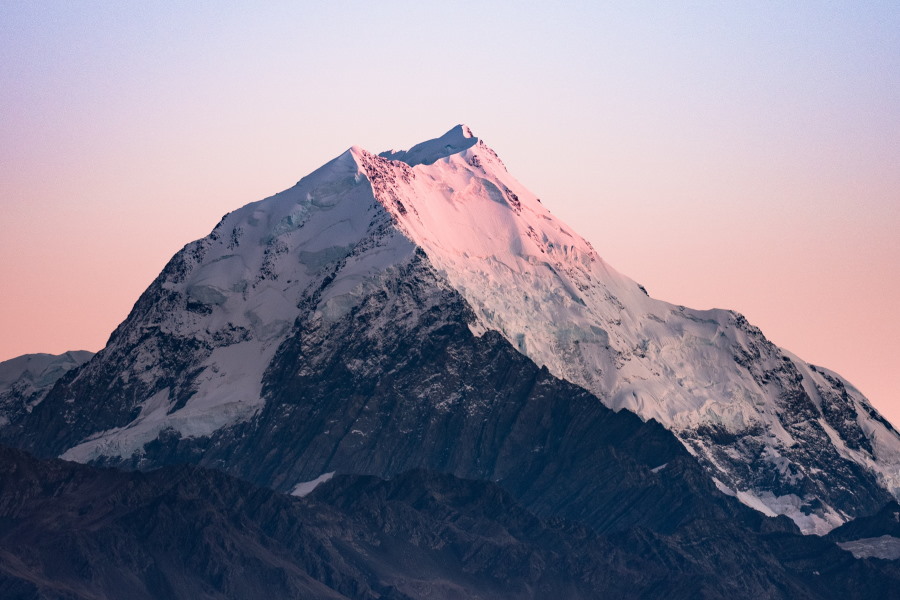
[741,155]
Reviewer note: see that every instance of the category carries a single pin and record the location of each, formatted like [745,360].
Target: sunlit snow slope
[770,427]
[782,435]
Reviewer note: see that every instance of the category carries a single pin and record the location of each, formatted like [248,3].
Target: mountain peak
[194,356]
[453,142]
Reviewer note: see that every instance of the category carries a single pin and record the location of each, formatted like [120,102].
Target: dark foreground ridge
[79,532]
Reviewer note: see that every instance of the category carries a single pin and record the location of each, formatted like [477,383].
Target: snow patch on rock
[304,488]
[886,547]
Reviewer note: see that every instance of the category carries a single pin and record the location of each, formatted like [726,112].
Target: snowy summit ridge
[454,141]
[783,436]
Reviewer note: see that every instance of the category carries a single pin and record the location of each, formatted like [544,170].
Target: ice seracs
[766,421]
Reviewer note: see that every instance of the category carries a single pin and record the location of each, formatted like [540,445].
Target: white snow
[251,279]
[456,140]
[33,375]
[38,370]
[304,488]
[534,280]
[886,547]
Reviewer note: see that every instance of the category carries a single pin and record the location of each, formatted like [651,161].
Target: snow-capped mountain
[26,379]
[370,249]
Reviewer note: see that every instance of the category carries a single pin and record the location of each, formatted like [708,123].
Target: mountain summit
[325,296]
[454,141]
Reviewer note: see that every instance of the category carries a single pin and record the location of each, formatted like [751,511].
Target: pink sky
[740,156]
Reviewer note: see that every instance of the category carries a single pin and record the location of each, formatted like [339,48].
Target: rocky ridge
[78,532]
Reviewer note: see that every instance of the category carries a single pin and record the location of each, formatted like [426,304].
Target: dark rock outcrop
[884,522]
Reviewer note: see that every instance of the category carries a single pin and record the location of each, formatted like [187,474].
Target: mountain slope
[765,423]
[26,379]
[77,532]
[252,323]
[418,389]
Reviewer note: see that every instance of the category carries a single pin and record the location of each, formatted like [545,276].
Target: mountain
[79,532]
[422,309]
[26,379]
[875,535]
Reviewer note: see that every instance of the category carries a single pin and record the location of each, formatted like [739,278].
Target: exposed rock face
[885,522]
[875,536]
[384,315]
[78,532]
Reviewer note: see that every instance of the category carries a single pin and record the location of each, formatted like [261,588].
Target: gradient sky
[729,154]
